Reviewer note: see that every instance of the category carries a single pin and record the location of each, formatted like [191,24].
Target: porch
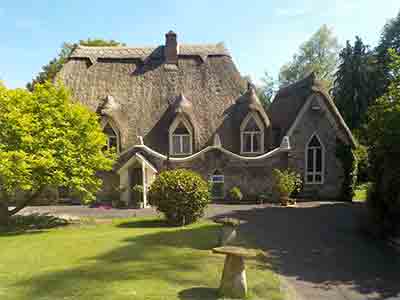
[136,171]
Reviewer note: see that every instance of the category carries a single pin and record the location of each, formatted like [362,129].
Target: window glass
[181,129]
[247,142]
[186,143]
[176,144]
[310,160]
[314,164]
[257,142]
[252,125]
[318,159]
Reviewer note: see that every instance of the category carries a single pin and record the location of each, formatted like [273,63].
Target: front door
[135,178]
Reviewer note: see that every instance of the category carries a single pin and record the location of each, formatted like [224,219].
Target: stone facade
[141,92]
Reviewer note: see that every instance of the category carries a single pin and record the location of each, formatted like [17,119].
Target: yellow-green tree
[46,139]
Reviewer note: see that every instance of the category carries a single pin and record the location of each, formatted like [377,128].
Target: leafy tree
[353,88]
[50,70]
[46,139]
[384,151]
[318,55]
[390,39]
[266,90]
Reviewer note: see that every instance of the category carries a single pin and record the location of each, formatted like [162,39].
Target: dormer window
[112,138]
[252,135]
[181,137]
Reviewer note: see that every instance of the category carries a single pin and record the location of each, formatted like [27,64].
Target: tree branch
[25,202]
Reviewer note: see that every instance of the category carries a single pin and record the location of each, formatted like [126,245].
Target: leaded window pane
[247,142]
[252,125]
[181,129]
[310,160]
[186,143]
[314,142]
[257,142]
[318,153]
[176,144]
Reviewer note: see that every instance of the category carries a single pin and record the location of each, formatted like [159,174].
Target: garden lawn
[120,259]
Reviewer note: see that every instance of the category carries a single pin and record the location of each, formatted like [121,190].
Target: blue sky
[261,35]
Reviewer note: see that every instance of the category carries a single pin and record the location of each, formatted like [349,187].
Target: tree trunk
[4,215]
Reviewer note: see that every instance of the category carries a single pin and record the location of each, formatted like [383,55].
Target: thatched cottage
[186,106]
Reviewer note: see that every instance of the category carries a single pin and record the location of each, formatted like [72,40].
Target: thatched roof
[144,53]
[146,89]
[290,99]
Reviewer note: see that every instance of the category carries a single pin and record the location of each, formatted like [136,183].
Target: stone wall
[252,177]
[320,122]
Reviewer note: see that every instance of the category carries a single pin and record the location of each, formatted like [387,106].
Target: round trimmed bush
[181,195]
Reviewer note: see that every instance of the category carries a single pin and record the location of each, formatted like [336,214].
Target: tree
[50,70]
[46,139]
[353,89]
[390,39]
[266,90]
[384,149]
[318,55]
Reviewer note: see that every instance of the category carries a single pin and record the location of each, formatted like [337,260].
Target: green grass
[124,259]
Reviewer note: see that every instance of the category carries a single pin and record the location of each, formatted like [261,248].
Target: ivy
[348,159]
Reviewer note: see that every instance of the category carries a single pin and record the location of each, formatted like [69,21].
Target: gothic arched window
[314,161]
[180,137]
[252,134]
[112,137]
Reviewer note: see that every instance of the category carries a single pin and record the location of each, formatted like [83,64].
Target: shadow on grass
[168,257]
[33,223]
[146,223]
[199,293]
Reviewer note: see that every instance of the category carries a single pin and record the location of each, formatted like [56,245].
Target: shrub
[361,153]
[348,158]
[383,150]
[181,195]
[235,194]
[286,182]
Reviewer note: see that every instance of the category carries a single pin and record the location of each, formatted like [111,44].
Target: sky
[260,35]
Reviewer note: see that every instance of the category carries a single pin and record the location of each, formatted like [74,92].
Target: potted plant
[137,191]
[286,182]
[235,194]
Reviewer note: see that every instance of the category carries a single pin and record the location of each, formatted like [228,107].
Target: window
[180,139]
[112,138]
[252,134]
[217,185]
[314,161]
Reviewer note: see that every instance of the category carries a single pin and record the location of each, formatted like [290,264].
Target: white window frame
[260,125]
[172,128]
[314,173]
[116,136]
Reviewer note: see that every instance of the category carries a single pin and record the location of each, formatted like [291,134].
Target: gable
[320,103]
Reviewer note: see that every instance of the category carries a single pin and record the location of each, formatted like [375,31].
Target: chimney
[171,48]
